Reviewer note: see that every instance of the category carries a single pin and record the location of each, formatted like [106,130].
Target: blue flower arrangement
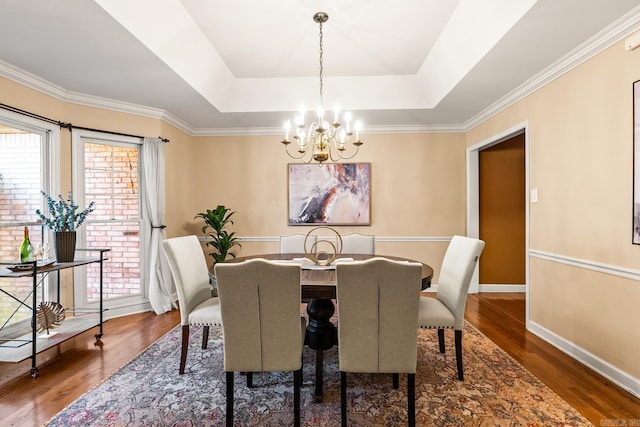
[64,213]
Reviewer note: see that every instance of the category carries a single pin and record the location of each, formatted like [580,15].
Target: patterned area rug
[148,391]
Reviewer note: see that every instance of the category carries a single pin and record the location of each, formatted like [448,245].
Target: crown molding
[45,87]
[370,130]
[609,36]
[32,81]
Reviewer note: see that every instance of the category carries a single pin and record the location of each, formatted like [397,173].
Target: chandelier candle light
[323,140]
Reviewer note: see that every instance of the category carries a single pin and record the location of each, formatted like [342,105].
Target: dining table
[318,291]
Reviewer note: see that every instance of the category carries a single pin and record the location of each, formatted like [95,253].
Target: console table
[28,346]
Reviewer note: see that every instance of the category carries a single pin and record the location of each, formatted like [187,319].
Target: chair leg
[185,347]
[250,379]
[396,380]
[441,339]
[411,399]
[297,376]
[343,398]
[229,399]
[458,338]
[205,337]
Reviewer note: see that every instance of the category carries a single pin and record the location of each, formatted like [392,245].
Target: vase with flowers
[64,218]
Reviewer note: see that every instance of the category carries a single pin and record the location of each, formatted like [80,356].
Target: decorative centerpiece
[64,221]
[320,256]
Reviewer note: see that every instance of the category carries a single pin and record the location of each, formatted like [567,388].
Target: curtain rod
[70,127]
[66,125]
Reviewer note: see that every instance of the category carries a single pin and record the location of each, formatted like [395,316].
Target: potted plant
[221,240]
[65,219]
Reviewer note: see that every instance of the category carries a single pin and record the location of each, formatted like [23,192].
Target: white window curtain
[160,284]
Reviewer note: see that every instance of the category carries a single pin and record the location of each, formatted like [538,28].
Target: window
[26,164]
[107,171]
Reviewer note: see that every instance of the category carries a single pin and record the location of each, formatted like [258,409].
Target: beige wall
[580,153]
[418,189]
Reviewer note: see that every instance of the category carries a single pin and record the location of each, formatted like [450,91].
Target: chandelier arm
[342,157]
[294,156]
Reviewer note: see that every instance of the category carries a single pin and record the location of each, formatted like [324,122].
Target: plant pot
[65,245]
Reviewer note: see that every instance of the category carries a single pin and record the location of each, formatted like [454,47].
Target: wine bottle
[26,249]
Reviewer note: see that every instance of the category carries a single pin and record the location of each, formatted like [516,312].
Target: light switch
[534,195]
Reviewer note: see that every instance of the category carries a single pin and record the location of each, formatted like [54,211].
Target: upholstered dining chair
[261,324]
[356,243]
[446,311]
[294,243]
[377,322]
[191,276]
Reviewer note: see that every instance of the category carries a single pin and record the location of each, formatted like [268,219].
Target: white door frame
[473,195]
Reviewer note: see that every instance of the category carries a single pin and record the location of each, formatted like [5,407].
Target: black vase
[65,245]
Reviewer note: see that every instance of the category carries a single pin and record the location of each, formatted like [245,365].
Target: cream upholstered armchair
[294,243]
[261,324]
[446,311]
[191,276]
[377,322]
[356,243]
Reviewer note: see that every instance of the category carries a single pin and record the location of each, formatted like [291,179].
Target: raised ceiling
[241,66]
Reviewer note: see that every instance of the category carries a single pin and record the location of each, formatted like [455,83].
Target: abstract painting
[330,193]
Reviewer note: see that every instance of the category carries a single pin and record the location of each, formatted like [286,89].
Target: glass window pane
[20,184]
[122,271]
[111,180]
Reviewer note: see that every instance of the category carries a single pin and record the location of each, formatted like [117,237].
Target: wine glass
[41,251]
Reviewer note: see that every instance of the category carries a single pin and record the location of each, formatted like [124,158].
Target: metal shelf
[29,345]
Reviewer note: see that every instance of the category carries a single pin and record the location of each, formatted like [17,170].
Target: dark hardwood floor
[501,317]
[79,365]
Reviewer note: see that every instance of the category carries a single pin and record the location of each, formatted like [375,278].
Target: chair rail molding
[377,238]
[614,270]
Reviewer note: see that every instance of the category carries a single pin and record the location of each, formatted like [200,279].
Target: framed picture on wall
[636,162]
[330,193]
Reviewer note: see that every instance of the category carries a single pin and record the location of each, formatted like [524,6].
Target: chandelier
[320,140]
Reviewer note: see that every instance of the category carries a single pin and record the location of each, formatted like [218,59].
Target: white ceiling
[243,66]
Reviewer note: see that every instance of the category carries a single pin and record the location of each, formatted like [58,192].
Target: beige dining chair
[377,322]
[191,276]
[356,243]
[294,243]
[261,324]
[446,311]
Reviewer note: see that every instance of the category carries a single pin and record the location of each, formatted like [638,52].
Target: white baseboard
[127,310]
[490,288]
[503,288]
[624,380]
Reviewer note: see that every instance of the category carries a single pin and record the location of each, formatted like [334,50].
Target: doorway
[502,212]
[474,212]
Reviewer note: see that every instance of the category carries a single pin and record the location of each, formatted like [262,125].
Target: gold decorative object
[317,254]
[322,139]
[49,315]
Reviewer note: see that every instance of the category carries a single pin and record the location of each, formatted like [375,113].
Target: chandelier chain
[321,68]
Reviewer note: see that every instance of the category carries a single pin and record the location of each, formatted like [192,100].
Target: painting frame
[329,194]
[636,163]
